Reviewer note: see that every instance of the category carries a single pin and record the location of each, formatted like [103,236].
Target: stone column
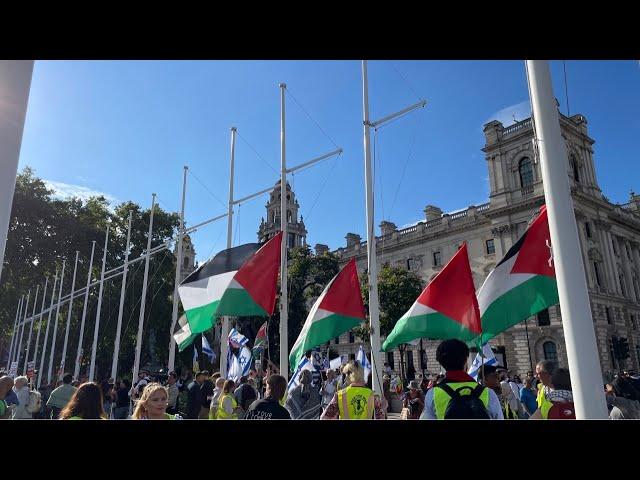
[600,226]
[614,262]
[627,270]
[585,250]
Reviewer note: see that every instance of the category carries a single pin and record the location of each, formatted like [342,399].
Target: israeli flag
[489,359]
[235,370]
[304,364]
[207,350]
[237,339]
[244,359]
[362,360]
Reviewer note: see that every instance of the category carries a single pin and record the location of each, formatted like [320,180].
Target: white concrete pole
[123,289]
[24,321]
[580,339]
[284,300]
[35,355]
[96,327]
[176,295]
[31,322]
[63,361]
[372,268]
[136,365]
[76,371]
[15,83]
[55,326]
[46,332]
[224,342]
[14,335]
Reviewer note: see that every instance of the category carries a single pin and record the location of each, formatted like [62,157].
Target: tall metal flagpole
[123,288]
[63,361]
[224,343]
[284,300]
[97,324]
[174,311]
[76,371]
[35,355]
[55,326]
[31,322]
[12,358]
[24,321]
[372,268]
[13,335]
[46,332]
[580,338]
[136,365]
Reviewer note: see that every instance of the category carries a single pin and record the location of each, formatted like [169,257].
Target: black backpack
[464,406]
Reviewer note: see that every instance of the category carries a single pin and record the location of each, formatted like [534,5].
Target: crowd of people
[342,393]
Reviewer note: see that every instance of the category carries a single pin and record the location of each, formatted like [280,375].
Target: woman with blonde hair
[85,404]
[227,406]
[153,404]
[356,401]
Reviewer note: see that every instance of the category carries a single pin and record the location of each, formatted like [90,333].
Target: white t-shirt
[328,390]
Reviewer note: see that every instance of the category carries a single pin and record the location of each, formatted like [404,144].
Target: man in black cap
[490,378]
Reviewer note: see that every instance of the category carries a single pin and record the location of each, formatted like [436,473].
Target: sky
[125,129]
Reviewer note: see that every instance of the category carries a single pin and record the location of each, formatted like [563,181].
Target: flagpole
[372,269]
[76,371]
[24,321]
[46,332]
[35,355]
[63,362]
[174,311]
[97,324]
[32,321]
[55,326]
[284,300]
[123,289]
[580,339]
[136,364]
[224,342]
[13,335]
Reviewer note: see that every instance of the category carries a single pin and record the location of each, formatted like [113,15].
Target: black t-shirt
[267,409]
[122,399]
[207,391]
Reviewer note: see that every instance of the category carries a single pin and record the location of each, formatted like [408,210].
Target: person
[106,386]
[138,386]
[387,369]
[269,407]
[424,384]
[489,376]
[328,388]
[386,391]
[194,396]
[6,384]
[413,401]
[558,401]
[544,371]
[61,395]
[510,395]
[355,401]
[411,373]
[21,388]
[304,400]
[215,399]
[244,395]
[172,389]
[85,404]
[206,391]
[528,397]
[153,404]
[623,400]
[121,399]
[447,399]
[227,407]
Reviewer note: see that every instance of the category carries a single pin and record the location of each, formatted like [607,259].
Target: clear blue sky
[126,128]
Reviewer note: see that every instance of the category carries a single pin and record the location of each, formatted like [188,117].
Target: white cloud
[66,190]
[505,116]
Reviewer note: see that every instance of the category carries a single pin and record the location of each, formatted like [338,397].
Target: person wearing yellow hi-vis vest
[558,402]
[228,407]
[544,370]
[356,401]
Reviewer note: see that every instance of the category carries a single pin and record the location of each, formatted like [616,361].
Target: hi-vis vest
[541,400]
[355,403]
[441,398]
[222,415]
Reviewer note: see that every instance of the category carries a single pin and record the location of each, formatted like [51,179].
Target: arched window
[550,351]
[526,172]
[576,170]
[289,216]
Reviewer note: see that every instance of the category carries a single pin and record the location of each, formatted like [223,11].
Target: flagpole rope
[405,80]
[326,180]
[310,117]
[256,152]
[190,171]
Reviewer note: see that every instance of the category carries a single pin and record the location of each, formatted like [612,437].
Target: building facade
[188,257]
[296,231]
[609,242]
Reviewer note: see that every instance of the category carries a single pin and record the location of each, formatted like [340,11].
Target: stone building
[609,241]
[296,231]
[189,263]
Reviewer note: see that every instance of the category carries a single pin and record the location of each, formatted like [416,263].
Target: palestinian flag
[446,308]
[260,342]
[338,309]
[183,336]
[522,284]
[239,282]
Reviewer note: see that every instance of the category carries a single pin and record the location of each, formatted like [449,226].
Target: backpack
[562,411]
[35,402]
[464,406]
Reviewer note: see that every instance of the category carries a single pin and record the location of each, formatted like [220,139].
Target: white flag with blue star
[207,350]
[489,359]
[364,361]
